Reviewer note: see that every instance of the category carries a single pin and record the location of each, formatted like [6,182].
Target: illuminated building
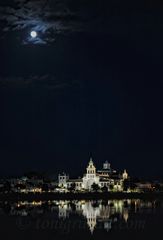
[107,177]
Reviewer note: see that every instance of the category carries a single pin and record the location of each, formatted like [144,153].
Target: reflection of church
[91,215]
[104,178]
[96,213]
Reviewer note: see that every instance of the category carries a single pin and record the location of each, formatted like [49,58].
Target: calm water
[112,219]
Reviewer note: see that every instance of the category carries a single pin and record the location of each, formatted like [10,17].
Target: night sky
[89,84]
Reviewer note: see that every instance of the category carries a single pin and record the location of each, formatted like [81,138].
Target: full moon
[33,34]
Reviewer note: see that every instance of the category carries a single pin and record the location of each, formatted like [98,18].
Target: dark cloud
[48,18]
[52,17]
[46,81]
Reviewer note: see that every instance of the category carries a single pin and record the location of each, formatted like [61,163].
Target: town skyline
[51,172]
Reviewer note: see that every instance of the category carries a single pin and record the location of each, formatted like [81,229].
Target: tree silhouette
[104,189]
[95,187]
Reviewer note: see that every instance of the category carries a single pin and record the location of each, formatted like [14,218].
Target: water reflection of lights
[100,212]
[34,203]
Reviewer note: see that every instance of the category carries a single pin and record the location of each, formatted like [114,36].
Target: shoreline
[78,196]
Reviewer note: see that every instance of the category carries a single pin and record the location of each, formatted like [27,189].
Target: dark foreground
[79,196]
[113,219]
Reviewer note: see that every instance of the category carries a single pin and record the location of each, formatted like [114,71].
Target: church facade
[105,178]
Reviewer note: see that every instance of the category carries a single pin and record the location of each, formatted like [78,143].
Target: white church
[107,177]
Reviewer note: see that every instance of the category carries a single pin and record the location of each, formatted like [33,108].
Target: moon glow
[33,34]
